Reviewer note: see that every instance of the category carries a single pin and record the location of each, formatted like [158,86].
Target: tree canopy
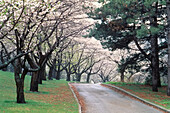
[142,22]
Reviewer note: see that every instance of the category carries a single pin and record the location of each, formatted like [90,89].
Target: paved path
[99,99]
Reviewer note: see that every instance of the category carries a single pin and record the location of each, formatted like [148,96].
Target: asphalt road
[99,99]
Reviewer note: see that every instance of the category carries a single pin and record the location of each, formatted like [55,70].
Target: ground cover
[53,97]
[145,92]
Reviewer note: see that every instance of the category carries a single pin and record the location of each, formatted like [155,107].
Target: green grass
[53,97]
[145,92]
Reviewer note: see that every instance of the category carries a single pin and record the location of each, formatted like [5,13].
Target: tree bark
[154,63]
[68,77]
[40,77]
[156,66]
[154,55]
[58,68]
[68,74]
[52,70]
[2,60]
[41,74]
[20,92]
[88,78]
[58,74]
[168,13]
[44,74]
[78,77]
[50,73]
[34,77]
[122,76]
[19,82]
[34,82]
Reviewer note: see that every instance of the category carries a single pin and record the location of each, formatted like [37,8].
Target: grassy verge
[53,97]
[145,92]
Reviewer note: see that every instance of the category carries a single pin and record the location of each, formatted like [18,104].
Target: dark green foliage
[122,22]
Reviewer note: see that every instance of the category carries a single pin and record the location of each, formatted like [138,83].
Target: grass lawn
[53,97]
[145,92]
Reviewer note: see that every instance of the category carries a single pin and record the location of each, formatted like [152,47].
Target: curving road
[99,99]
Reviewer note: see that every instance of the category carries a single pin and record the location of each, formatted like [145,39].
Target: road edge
[138,98]
[69,84]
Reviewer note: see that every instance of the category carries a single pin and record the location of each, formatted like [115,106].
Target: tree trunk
[19,83]
[168,13]
[78,77]
[20,90]
[159,78]
[156,66]
[2,60]
[41,74]
[68,77]
[44,74]
[40,77]
[52,70]
[58,75]
[122,76]
[88,78]
[154,54]
[34,82]
[104,80]
[50,73]
[58,69]
[34,77]
[107,78]
[154,63]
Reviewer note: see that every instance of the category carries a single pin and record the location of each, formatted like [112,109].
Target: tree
[85,61]
[94,69]
[8,23]
[25,33]
[56,65]
[59,65]
[10,32]
[33,30]
[2,59]
[168,14]
[69,59]
[124,63]
[124,22]
[106,73]
[78,59]
[59,26]
[52,65]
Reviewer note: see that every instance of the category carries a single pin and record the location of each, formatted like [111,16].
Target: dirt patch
[80,99]
[123,93]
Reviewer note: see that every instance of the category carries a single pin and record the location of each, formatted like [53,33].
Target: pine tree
[168,13]
[139,21]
